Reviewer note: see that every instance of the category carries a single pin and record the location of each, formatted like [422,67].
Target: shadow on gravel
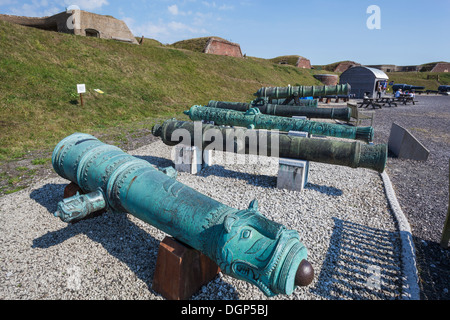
[118,235]
[261,180]
[258,180]
[121,237]
[360,264]
[433,263]
[49,195]
[157,161]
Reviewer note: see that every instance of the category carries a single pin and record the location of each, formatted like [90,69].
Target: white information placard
[81,88]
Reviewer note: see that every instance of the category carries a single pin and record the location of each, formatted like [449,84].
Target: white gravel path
[343,217]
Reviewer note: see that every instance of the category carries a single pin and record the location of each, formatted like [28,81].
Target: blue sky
[324,31]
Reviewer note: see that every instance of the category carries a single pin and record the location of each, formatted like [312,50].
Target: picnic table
[367,102]
[390,101]
[344,98]
[377,102]
[405,98]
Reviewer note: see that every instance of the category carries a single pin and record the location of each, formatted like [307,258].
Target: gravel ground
[422,186]
[342,216]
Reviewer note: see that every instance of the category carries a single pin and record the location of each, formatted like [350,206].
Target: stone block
[188,159]
[404,145]
[181,270]
[207,158]
[292,174]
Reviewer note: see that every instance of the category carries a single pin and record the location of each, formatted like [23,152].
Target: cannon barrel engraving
[244,244]
[352,154]
[254,119]
[286,110]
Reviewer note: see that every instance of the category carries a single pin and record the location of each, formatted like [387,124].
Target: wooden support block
[181,270]
[71,189]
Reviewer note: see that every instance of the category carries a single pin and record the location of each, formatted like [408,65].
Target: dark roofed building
[363,80]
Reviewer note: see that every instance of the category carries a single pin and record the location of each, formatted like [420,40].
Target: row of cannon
[244,244]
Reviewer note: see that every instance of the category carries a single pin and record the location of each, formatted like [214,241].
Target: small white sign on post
[81,88]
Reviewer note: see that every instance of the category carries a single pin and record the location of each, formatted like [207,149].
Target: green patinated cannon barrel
[296,102]
[351,154]
[254,119]
[302,91]
[286,110]
[243,243]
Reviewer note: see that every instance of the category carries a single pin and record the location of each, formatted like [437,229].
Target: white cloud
[209,4]
[7,2]
[42,8]
[34,9]
[173,9]
[87,4]
[163,31]
[215,5]
[225,7]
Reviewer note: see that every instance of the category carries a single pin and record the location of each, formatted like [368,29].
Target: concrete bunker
[92,33]
[78,22]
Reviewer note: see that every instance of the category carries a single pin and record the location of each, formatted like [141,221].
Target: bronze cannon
[243,243]
[286,110]
[240,140]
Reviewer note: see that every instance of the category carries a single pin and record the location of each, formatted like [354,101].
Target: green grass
[39,71]
[15,190]
[195,44]
[290,60]
[420,79]
[41,161]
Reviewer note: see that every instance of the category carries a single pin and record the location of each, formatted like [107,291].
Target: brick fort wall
[223,48]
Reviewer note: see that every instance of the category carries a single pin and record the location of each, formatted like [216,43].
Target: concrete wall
[77,22]
[223,47]
[108,27]
[58,22]
[439,67]
[384,67]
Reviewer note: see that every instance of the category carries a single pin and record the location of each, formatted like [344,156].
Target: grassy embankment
[39,106]
[39,71]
